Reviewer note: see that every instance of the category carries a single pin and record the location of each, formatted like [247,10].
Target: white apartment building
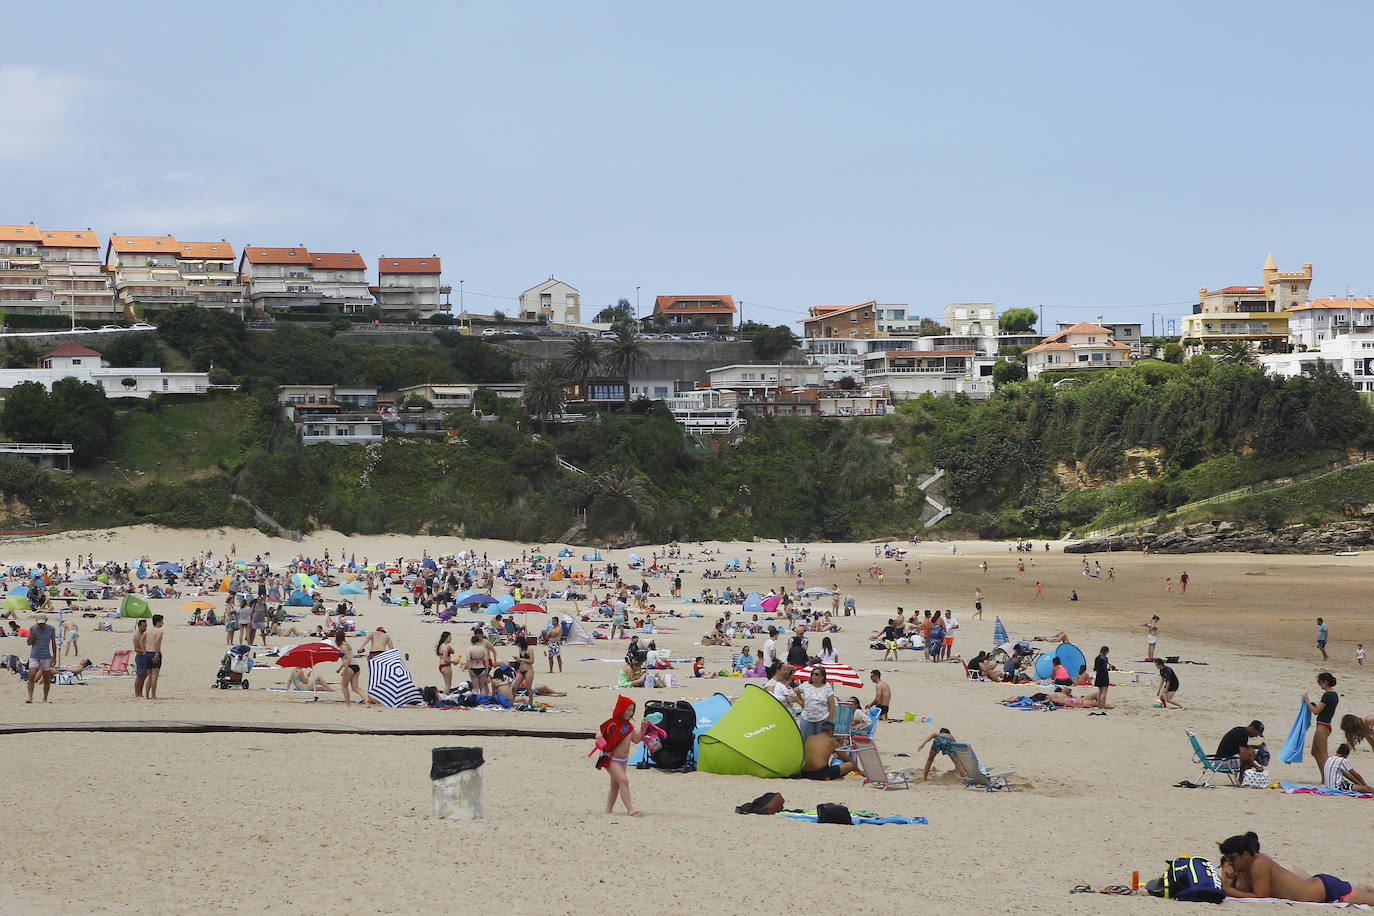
[297,279]
[210,275]
[913,373]
[46,272]
[1080,346]
[553,301]
[158,272]
[1351,354]
[341,429]
[763,380]
[406,285]
[706,411]
[86,365]
[1310,324]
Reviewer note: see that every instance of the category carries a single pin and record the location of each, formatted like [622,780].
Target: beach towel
[1349,906]
[1291,752]
[389,681]
[1290,788]
[859,818]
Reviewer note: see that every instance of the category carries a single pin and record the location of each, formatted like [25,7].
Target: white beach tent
[577,633]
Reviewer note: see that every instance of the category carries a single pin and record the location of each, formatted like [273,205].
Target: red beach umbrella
[308,654]
[843,675]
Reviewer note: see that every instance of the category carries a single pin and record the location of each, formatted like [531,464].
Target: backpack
[767,803]
[1191,879]
[827,813]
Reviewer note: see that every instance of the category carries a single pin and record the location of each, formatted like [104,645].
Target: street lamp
[462,309]
[636,303]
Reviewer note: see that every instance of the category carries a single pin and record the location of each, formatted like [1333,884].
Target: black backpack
[1188,878]
[827,813]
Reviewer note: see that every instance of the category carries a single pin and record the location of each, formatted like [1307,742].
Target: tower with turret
[1286,289]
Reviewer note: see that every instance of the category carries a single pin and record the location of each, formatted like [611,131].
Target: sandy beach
[319,822]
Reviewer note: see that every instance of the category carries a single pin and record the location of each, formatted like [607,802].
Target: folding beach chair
[1210,763]
[842,721]
[973,773]
[875,773]
[119,663]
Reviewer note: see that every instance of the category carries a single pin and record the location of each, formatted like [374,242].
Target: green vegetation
[193,438]
[73,412]
[1017,321]
[769,343]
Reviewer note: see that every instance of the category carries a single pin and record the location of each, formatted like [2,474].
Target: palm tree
[582,359]
[544,394]
[1237,353]
[622,485]
[625,357]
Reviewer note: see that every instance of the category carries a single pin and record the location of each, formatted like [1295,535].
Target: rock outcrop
[1228,537]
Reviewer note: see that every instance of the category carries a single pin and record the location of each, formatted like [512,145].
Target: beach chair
[842,721]
[875,773]
[1210,763]
[973,773]
[119,663]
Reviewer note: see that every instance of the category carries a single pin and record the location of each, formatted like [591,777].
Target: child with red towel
[618,735]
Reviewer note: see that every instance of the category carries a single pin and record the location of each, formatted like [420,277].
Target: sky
[1091,159]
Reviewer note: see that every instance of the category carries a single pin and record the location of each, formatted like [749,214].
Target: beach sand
[318,822]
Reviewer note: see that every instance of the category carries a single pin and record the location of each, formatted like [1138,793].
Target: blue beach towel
[1293,744]
[863,820]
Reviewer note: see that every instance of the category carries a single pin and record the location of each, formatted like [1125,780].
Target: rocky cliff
[1228,537]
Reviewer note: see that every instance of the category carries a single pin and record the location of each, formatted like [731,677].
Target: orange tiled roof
[408,265]
[686,304]
[826,311]
[80,239]
[27,233]
[1061,345]
[347,260]
[214,251]
[256,255]
[143,244]
[1238,289]
[1334,304]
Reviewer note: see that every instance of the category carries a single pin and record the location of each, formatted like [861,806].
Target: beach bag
[827,813]
[767,803]
[1191,879]
[1256,779]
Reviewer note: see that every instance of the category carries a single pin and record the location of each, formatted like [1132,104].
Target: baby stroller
[234,668]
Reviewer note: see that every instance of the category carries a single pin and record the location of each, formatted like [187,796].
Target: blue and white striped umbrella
[999,632]
[389,681]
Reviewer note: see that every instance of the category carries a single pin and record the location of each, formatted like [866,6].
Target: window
[76,362]
[164,384]
[1082,357]
[1092,340]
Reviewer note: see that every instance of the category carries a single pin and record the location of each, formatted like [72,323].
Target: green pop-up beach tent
[757,737]
[134,607]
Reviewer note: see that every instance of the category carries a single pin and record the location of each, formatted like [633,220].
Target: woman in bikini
[445,652]
[1323,711]
[478,678]
[348,670]
[1357,730]
[524,668]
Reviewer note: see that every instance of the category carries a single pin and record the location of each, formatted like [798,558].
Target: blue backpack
[1189,878]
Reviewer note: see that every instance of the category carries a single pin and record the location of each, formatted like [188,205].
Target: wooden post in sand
[457,776]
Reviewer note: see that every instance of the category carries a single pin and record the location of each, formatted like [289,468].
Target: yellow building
[1258,314]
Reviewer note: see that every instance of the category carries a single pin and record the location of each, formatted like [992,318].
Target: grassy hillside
[182,441]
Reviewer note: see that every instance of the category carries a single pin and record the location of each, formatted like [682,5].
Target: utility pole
[636,303]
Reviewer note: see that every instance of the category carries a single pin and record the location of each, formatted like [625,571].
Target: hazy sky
[1096,158]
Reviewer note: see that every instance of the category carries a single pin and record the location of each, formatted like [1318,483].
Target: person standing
[882,694]
[259,622]
[618,735]
[978,602]
[154,656]
[554,643]
[42,656]
[444,651]
[348,668]
[1183,582]
[1039,592]
[70,634]
[1101,679]
[140,659]
[1321,637]
[1151,637]
[770,652]
[818,703]
[1324,712]
[1168,685]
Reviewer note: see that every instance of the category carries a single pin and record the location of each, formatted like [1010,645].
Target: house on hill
[713,312]
[1080,346]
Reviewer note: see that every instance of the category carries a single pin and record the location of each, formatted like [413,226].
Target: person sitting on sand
[1246,872]
[941,742]
[631,675]
[300,679]
[1084,678]
[817,751]
[1337,774]
[1063,696]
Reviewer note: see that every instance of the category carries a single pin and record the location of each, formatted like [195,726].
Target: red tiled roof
[408,265]
[1061,345]
[143,244]
[71,349]
[825,311]
[277,255]
[347,260]
[1334,304]
[1239,289]
[27,233]
[81,239]
[213,251]
[688,304]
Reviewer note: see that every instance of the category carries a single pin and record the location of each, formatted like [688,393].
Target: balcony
[919,370]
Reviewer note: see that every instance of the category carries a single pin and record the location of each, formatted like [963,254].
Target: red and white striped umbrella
[841,675]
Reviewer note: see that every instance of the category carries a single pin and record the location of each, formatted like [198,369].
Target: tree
[81,415]
[130,350]
[1018,321]
[1004,371]
[28,413]
[1237,353]
[582,358]
[20,354]
[929,327]
[625,357]
[847,383]
[544,395]
[769,343]
[1173,352]
[620,313]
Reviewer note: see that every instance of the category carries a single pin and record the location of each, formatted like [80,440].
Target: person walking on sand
[1039,592]
[1101,679]
[1183,582]
[1151,637]
[978,602]
[42,656]
[618,735]
[140,659]
[155,635]
[1321,637]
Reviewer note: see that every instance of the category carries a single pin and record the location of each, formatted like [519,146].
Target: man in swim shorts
[882,694]
[1246,872]
[1321,637]
[818,750]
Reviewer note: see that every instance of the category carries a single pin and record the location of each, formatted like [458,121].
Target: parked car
[490,332]
[143,326]
[81,330]
[110,327]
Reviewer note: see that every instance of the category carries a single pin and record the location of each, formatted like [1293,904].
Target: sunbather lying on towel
[1245,872]
[1064,697]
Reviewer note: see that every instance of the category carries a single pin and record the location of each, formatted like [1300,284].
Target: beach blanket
[1349,906]
[1290,788]
[1291,752]
[389,681]
[859,818]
